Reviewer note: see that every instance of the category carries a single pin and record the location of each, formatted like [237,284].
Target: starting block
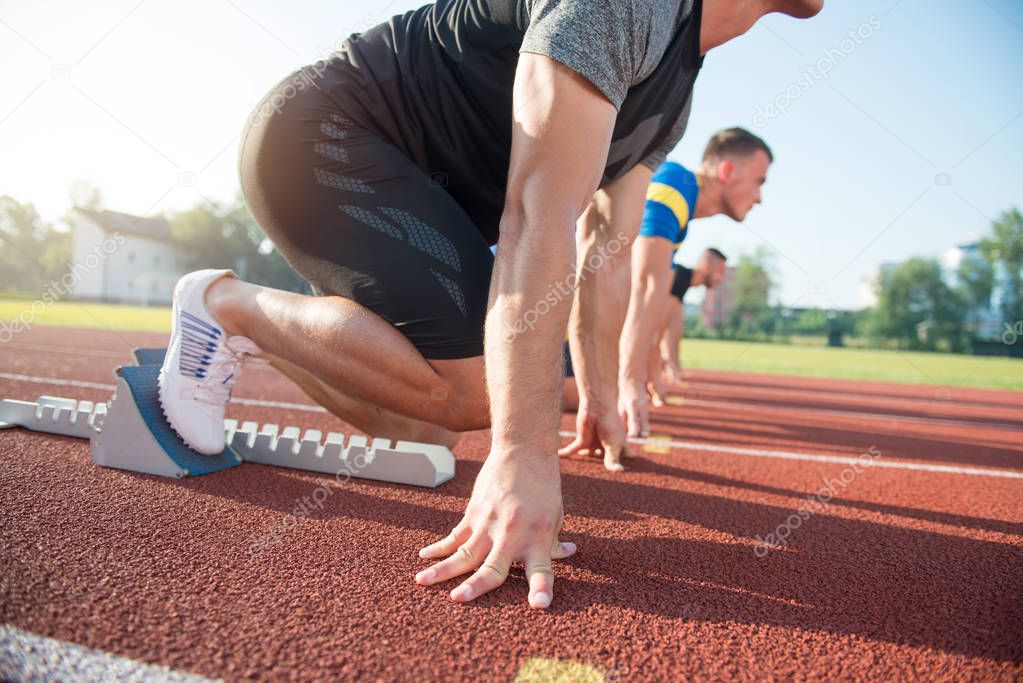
[64,416]
[131,432]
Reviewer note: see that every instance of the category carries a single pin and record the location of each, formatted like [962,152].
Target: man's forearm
[530,303]
[673,333]
[605,234]
[663,329]
[651,281]
[561,130]
[599,312]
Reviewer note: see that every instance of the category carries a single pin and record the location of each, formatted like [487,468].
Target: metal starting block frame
[55,415]
[131,432]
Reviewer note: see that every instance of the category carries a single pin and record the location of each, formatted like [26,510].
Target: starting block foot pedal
[149,356]
[136,435]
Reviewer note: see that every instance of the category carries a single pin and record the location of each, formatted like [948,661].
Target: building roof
[114,221]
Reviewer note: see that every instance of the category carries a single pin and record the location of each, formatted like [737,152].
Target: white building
[121,258]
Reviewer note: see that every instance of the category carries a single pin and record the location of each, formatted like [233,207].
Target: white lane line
[834,459]
[759,407]
[692,402]
[688,445]
[738,389]
[110,387]
[278,404]
[57,381]
[69,350]
[26,656]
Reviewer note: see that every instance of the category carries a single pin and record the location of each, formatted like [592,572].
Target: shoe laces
[224,369]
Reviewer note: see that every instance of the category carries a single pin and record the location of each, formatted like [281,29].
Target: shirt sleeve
[669,202]
[598,39]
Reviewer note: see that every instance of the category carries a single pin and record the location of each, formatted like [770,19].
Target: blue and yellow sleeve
[670,199]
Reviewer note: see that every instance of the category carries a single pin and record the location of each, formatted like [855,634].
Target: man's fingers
[447,545]
[465,559]
[572,448]
[627,452]
[489,576]
[562,550]
[643,420]
[541,581]
[633,419]
[612,461]
[612,447]
[577,449]
[676,374]
[586,442]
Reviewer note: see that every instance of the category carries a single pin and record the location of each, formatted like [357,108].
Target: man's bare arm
[651,282]
[604,236]
[672,339]
[561,131]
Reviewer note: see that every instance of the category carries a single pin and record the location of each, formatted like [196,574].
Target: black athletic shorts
[354,214]
[683,278]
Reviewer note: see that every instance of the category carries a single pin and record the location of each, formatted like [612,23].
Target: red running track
[904,573]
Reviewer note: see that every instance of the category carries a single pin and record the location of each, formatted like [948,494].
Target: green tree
[811,321]
[917,309]
[1003,249]
[212,239]
[976,279]
[228,237]
[33,253]
[752,314]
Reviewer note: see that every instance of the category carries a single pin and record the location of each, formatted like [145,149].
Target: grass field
[73,314]
[865,364]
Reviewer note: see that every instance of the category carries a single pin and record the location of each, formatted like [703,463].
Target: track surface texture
[721,553]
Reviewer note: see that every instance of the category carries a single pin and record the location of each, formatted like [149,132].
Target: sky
[897,125]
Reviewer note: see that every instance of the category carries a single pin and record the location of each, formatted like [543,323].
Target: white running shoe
[201,366]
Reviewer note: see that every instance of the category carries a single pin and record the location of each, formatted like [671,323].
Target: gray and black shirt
[444,74]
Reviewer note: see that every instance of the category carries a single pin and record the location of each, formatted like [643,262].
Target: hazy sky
[909,144]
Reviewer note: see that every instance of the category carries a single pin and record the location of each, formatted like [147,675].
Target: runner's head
[712,265]
[736,162]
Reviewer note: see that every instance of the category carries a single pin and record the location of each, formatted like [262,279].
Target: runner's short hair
[734,142]
[718,253]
